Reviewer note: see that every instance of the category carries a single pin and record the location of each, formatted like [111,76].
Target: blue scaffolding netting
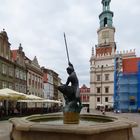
[138,95]
[126,90]
[116,96]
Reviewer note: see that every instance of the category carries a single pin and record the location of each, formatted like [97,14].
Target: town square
[69,70]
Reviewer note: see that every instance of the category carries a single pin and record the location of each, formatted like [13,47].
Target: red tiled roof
[130,65]
[14,54]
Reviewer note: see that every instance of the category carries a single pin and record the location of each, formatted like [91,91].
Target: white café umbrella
[4,96]
[33,97]
[39,101]
[12,94]
[50,101]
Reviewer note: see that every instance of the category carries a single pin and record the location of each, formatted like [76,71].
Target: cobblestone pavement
[131,116]
[5,126]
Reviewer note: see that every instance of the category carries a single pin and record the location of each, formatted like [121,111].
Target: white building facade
[102,61]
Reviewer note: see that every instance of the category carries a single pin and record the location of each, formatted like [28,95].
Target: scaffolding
[126,90]
[138,95]
[117,71]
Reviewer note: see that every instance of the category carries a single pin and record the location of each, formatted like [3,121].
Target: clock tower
[102,61]
[106,31]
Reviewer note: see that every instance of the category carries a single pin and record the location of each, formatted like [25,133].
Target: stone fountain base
[117,129]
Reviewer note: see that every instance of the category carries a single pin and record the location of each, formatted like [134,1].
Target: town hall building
[102,61]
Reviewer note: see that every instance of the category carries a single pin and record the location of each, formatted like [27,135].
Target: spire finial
[20,47]
[106,4]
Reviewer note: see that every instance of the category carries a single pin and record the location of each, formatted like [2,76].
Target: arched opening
[105,22]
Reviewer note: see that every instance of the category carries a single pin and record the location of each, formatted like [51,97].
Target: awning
[4,96]
[33,97]
[40,101]
[12,94]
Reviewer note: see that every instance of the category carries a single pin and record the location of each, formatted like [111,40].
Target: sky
[39,26]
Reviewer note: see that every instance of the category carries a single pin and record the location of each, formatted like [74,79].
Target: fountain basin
[97,127]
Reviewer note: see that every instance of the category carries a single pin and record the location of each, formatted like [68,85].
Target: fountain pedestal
[71,118]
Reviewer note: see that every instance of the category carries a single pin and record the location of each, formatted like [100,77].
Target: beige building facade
[102,61]
[34,77]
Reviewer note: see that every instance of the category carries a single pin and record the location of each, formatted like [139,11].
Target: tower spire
[106,5]
[106,31]
[106,15]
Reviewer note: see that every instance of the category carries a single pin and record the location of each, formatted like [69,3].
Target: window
[106,77]
[16,86]
[29,81]
[106,89]
[98,90]
[132,102]
[11,71]
[24,76]
[4,69]
[4,84]
[10,85]
[105,23]
[20,74]
[98,77]
[87,98]
[29,74]
[17,73]
[98,99]
[33,77]
[106,99]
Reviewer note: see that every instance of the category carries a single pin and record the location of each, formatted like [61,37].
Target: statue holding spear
[71,92]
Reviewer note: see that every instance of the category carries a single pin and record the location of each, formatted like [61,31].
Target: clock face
[105,34]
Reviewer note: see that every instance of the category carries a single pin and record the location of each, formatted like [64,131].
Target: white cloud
[39,26]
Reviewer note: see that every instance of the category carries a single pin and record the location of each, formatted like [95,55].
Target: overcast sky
[39,25]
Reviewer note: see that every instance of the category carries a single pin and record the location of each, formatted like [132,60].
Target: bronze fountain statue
[71,94]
